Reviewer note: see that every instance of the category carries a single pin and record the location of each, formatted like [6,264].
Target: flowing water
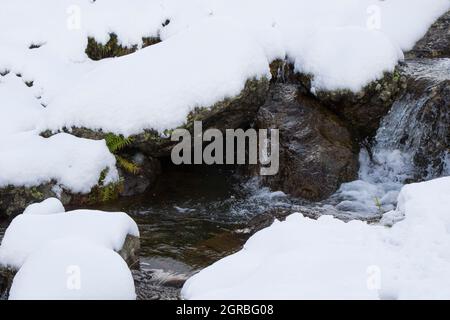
[191,219]
[406,147]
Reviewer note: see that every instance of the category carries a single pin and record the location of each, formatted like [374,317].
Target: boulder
[419,122]
[363,110]
[13,200]
[317,151]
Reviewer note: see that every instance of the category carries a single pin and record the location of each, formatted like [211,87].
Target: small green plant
[128,165]
[378,204]
[117,143]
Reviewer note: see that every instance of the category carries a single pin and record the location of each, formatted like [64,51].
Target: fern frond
[116,143]
[128,166]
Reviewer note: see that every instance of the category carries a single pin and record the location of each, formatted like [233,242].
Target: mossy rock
[98,51]
[231,113]
[363,110]
[13,200]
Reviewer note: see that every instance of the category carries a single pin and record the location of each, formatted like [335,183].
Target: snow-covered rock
[28,233]
[329,259]
[73,269]
[47,253]
[196,68]
[30,160]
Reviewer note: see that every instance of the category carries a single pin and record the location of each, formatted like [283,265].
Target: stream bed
[190,219]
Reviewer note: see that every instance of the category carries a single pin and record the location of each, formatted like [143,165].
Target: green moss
[106,193]
[35,193]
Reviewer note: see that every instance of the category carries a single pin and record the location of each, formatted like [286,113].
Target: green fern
[128,166]
[116,143]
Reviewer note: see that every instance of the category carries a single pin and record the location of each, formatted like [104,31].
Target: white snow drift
[48,206]
[28,233]
[68,255]
[329,259]
[73,269]
[27,159]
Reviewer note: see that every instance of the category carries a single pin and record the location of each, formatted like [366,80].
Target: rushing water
[405,134]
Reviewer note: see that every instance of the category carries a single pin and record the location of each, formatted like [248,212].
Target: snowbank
[29,233]
[158,86]
[329,259]
[30,160]
[73,269]
[27,159]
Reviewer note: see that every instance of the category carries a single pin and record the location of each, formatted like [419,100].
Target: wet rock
[363,110]
[6,279]
[138,179]
[419,122]
[130,251]
[317,151]
[150,287]
[13,200]
[436,43]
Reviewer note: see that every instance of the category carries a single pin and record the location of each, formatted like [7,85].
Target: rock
[13,200]
[151,287]
[317,152]
[363,110]
[231,113]
[130,251]
[113,48]
[6,279]
[436,43]
[137,181]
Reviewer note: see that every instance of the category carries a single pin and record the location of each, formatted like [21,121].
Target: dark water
[191,219]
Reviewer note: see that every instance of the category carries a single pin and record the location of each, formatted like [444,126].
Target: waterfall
[412,143]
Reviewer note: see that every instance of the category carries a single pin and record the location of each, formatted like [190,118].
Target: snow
[210,49]
[73,269]
[28,233]
[329,259]
[48,206]
[27,159]
[347,67]
[68,255]
[160,85]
